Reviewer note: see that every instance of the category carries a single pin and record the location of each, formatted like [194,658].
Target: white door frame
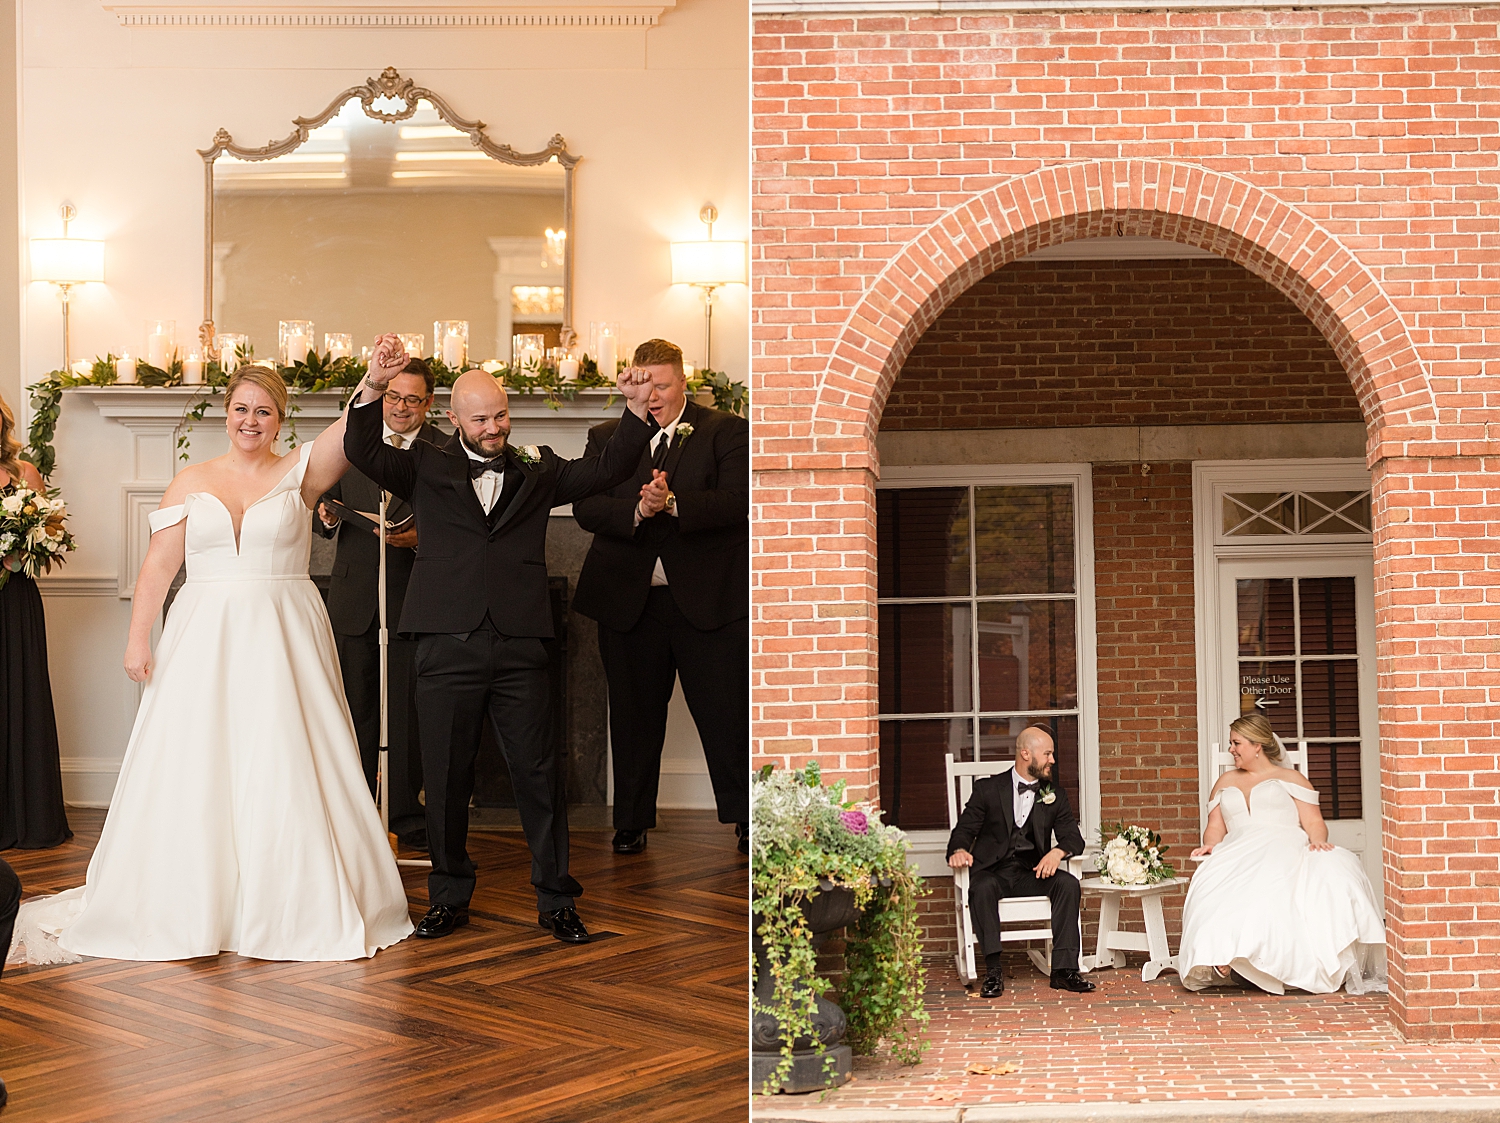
[1274,554]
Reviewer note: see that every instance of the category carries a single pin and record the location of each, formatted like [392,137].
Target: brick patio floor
[1131,1041]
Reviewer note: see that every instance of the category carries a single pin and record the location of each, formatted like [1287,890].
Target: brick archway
[1136,198]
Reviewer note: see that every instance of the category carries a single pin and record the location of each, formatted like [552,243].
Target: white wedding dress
[241,820]
[1279,913]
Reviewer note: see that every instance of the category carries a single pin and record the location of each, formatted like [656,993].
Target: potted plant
[821,863]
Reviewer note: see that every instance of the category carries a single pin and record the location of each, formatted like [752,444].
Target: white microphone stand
[383,784]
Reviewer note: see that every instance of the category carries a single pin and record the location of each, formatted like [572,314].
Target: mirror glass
[373,226]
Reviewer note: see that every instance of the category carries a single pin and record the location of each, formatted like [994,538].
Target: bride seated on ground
[1275,903]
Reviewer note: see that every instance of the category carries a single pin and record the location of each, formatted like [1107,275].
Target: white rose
[12,504]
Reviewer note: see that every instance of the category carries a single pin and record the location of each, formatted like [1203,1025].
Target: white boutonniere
[684,431]
[529,455]
[1049,796]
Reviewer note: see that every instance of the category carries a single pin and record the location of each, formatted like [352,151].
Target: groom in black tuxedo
[1014,834]
[353,607]
[477,604]
[667,578]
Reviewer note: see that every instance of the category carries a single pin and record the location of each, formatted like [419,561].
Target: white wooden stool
[1113,944]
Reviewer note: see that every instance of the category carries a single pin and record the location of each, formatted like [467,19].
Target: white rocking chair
[1031,917]
[1297,757]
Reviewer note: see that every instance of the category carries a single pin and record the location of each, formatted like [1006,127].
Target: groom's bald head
[1034,753]
[480,411]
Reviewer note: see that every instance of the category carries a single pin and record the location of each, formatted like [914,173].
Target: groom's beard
[1039,771]
[479,451]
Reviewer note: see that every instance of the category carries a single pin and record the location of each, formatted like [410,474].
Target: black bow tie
[478,468]
[1028,787]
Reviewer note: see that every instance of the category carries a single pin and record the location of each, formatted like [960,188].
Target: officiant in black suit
[477,606]
[353,607]
[1015,832]
[667,578]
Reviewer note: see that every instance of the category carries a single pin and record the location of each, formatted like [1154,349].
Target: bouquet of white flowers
[32,533]
[1131,856]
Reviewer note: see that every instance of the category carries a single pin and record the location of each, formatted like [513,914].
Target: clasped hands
[653,500]
[389,358]
[962,859]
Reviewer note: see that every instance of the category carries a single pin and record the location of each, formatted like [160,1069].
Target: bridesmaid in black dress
[31,800]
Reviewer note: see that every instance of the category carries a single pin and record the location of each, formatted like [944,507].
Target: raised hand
[387,360]
[634,385]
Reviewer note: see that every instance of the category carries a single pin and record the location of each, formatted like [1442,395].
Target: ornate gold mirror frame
[390,99]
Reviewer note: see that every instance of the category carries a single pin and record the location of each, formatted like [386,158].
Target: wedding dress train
[1281,914]
[241,820]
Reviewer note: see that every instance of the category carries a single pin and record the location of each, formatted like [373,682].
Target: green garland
[807,838]
[315,374]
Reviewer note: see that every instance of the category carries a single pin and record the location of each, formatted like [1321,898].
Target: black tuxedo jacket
[356,566]
[469,564]
[984,829]
[704,548]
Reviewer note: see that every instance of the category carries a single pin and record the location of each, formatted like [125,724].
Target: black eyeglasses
[411,400]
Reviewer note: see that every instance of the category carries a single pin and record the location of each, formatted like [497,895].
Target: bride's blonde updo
[1256,728]
[264,377]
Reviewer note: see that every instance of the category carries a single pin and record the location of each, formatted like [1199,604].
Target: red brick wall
[1346,156]
[1105,343]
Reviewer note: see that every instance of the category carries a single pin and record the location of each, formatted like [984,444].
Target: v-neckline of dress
[238,530]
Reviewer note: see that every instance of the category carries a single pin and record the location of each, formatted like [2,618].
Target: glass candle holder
[192,368]
[125,369]
[294,339]
[450,342]
[414,342]
[604,345]
[232,348]
[527,350]
[161,337]
[338,345]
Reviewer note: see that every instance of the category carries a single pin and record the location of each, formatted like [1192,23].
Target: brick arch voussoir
[1133,198]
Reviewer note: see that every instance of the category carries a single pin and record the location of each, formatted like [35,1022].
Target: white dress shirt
[1024,801]
[489,485]
[659,575]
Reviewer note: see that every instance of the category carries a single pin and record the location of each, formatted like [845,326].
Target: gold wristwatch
[671,507]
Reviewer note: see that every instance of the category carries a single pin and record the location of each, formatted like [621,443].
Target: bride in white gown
[241,820]
[1275,902]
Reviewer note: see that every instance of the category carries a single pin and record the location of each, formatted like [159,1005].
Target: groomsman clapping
[667,578]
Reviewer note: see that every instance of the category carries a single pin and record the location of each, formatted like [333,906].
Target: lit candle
[228,359]
[606,357]
[687,370]
[192,369]
[296,348]
[453,351]
[156,349]
[530,357]
[125,368]
[337,346]
[567,369]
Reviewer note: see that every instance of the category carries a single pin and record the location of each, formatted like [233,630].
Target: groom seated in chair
[1005,836]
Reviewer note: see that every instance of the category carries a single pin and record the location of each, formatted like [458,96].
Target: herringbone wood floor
[496,1022]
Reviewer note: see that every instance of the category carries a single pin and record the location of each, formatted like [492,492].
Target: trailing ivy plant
[805,839]
[318,373]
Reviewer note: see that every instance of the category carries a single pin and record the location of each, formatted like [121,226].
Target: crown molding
[979,7]
[377,14]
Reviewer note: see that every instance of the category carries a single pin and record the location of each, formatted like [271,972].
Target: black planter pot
[827,911]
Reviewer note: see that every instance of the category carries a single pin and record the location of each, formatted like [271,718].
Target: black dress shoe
[414,840]
[4,1095]
[742,832]
[565,924]
[441,920]
[629,842]
[993,986]
[1068,978]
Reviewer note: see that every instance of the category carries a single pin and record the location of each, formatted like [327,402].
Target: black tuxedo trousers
[1013,877]
[10,904]
[463,681]
[641,666]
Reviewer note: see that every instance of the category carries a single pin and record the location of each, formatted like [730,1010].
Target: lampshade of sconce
[67,261]
[708,263]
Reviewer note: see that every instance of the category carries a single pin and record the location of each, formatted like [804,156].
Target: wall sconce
[709,265]
[66,262]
